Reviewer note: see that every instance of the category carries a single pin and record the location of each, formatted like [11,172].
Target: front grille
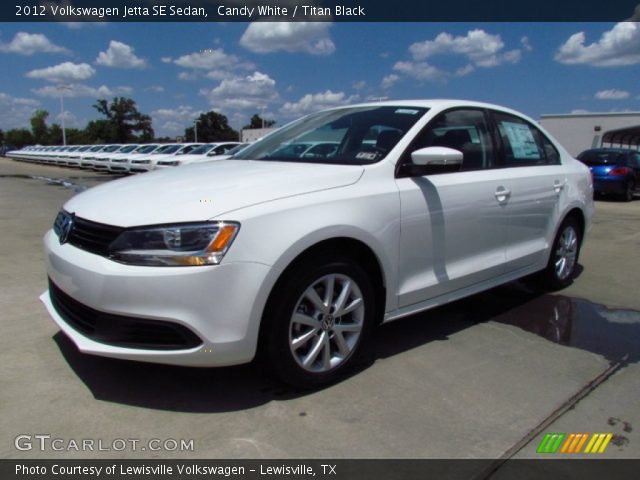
[87,235]
[121,331]
[92,236]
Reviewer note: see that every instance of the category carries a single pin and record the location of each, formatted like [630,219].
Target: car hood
[206,190]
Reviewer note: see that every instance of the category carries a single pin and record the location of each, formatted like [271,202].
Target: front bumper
[220,304]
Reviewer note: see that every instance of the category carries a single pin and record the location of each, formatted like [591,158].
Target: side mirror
[431,161]
[437,156]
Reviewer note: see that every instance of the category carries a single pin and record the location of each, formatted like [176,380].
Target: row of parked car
[129,158]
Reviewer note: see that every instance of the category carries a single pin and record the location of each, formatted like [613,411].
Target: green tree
[19,137]
[54,135]
[212,127]
[258,122]
[39,126]
[100,131]
[1,136]
[125,119]
[76,136]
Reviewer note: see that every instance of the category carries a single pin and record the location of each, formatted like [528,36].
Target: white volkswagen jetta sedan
[422,203]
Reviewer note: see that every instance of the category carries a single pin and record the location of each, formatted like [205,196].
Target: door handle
[558,186]
[502,194]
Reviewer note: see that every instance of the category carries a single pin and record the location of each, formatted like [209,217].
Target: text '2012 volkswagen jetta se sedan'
[299,257]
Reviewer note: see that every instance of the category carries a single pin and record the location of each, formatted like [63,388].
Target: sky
[176,71]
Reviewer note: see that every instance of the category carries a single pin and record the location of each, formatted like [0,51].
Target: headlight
[175,245]
[174,163]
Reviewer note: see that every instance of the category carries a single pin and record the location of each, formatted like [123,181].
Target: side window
[463,130]
[636,160]
[524,145]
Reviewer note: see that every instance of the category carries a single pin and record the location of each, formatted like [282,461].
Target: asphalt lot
[485,377]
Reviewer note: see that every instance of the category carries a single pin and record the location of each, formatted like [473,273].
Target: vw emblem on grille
[66,227]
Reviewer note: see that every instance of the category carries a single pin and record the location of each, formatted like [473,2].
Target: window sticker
[521,139]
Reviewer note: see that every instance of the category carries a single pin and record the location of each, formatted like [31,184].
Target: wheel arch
[350,247]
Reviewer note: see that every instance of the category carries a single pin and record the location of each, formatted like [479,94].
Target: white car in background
[100,159]
[86,159]
[199,154]
[230,153]
[123,151]
[424,202]
[148,163]
[123,163]
[73,158]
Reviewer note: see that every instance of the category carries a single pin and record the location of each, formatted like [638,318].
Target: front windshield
[127,148]
[145,148]
[97,148]
[236,149]
[202,149]
[168,149]
[111,148]
[346,136]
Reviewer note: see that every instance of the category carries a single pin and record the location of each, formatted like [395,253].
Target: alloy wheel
[326,323]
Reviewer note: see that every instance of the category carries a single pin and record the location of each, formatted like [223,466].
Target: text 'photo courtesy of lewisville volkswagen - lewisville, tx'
[248,239]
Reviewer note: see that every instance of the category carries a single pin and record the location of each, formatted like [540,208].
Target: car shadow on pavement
[557,318]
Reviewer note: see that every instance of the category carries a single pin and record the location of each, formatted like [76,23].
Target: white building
[581,131]
[249,135]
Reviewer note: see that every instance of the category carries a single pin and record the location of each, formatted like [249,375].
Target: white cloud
[166,59]
[15,112]
[64,72]
[306,37]
[390,80]
[313,102]
[25,43]
[80,25]
[211,59]
[612,94]
[187,76]
[252,91]
[173,121]
[480,48]
[464,71]
[420,71]
[359,85]
[120,55]
[81,90]
[617,47]
[154,89]
[219,75]
[526,44]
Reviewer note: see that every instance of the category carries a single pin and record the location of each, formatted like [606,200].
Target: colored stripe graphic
[551,442]
[574,443]
[598,443]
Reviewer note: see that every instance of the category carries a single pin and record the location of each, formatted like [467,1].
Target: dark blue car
[615,171]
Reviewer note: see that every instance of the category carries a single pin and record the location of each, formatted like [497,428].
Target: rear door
[535,184]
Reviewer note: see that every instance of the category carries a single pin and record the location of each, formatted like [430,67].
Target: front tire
[320,319]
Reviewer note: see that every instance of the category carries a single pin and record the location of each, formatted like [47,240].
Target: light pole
[61,89]
[195,130]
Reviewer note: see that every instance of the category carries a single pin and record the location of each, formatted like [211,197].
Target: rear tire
[629,190]
[319,321]
[563,259]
